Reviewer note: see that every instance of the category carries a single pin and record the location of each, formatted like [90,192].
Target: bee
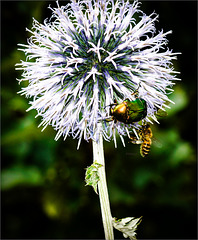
[145,135]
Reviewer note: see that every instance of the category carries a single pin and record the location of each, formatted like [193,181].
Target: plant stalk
[98,156]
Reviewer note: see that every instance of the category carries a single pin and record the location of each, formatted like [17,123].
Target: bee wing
[157,142]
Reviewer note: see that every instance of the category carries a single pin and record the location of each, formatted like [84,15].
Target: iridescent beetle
[128,111]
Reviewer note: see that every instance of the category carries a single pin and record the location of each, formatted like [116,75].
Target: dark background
[43,193]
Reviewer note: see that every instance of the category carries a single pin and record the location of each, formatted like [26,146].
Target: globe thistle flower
[88,59]
[89,54]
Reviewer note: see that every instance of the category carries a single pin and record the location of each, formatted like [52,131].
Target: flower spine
[86,56]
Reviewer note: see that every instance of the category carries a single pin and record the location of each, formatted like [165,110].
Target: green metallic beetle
[128,111]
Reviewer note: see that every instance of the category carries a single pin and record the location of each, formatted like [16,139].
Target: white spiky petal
[87,55]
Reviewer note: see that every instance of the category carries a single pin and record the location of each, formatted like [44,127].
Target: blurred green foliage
[42,181]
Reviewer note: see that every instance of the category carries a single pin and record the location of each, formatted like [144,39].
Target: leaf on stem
[127,226]
[91,175]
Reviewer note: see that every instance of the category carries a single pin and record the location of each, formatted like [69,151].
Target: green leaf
[91,175]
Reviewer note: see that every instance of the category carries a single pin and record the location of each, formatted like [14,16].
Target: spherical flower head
[91,56]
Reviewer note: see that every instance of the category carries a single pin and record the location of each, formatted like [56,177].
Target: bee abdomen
[145,148]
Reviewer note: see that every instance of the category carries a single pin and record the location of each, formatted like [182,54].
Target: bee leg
[135,140]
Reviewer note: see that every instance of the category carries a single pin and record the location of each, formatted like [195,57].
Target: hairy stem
[98,155]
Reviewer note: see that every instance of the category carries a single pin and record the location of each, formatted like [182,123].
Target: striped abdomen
[145,147]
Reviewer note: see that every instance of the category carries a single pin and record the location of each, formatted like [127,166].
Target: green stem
[98,155]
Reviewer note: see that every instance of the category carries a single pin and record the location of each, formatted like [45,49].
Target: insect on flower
[128,111]
[145,135]
[88,54]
